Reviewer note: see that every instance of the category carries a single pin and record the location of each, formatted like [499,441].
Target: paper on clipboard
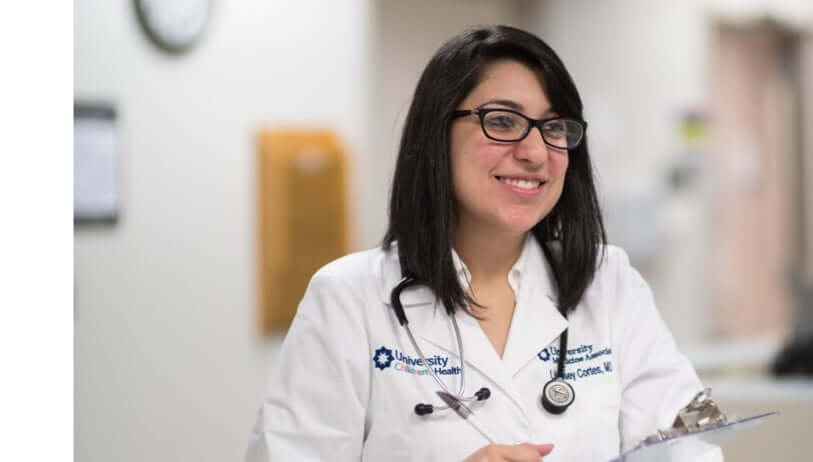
[690,446]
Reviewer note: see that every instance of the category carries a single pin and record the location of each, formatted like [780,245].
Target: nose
[532,149]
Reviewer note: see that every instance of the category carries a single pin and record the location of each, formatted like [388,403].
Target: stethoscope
[557,394]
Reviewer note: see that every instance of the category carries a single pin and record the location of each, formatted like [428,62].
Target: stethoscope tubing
[555,408]
[402,319]
[440,383]
[432,371]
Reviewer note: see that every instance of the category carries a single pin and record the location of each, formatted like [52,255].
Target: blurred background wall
[169,361]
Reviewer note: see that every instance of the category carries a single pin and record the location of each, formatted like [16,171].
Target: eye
[503,121]
[554,129]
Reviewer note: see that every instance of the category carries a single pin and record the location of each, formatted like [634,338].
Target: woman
[495,253]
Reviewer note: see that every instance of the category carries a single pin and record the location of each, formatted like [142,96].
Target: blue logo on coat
[585,358]
[382,358]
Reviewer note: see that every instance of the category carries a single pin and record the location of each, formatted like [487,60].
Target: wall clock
[174,25]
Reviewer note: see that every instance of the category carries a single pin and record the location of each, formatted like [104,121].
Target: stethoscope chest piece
[557,395]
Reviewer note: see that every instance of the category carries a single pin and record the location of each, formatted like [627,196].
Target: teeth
[523,184]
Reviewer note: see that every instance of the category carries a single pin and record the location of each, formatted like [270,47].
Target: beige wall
[168,362]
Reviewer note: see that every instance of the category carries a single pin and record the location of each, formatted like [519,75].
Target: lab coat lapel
[536,323]
[478,352]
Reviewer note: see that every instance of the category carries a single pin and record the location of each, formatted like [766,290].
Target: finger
[525,452]
[544,449]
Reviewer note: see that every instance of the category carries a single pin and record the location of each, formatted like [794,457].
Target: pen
[468,415]
[463,411]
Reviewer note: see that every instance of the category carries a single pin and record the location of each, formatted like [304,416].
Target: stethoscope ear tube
[395,299]
[560,367]
[407,279]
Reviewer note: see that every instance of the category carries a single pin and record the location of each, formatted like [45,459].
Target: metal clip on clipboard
[698,428]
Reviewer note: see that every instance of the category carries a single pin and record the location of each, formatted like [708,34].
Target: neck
[487,255]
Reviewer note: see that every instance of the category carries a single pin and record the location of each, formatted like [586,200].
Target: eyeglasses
[509,126]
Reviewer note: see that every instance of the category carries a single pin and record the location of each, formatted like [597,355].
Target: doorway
[756,180]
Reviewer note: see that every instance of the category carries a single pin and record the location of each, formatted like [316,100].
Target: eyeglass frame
[481,113]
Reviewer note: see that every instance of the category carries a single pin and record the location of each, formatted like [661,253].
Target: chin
[520,226]
[522,223]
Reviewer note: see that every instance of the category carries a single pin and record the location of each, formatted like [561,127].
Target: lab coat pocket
[598,410]
[453,437]
[588,430]
[407,437]
[396,433]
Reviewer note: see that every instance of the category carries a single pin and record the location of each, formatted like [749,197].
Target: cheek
[487,155]
[559,165]
[474,163]
[558,170]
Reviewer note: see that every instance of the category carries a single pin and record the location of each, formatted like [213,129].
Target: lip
[522,177]
[518,190]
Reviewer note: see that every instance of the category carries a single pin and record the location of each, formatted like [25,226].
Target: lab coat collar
[461,270]
[537,320]
[414,295]
[536,323]
[421,295]
[478,353]
[535,304]
[514,275]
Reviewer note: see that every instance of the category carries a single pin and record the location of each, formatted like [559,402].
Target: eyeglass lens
[508,126]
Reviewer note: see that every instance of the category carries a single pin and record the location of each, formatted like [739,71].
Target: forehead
[513,81]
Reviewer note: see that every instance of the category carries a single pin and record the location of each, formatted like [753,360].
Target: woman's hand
[525,452]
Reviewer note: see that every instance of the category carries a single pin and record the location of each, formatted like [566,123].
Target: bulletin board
[302,216]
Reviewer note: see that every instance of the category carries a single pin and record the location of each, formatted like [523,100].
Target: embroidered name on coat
[599,364]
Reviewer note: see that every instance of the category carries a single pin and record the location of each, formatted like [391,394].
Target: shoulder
[609,260]
[615,280]
[615,270]
[353,265]
[353,268]
[612,258]
[341,291]
[362,272]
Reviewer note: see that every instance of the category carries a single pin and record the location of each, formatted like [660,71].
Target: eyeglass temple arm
[461,113]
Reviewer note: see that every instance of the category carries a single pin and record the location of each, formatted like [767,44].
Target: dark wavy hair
[422,204]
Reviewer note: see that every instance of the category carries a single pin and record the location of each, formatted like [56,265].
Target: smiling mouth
[522,184]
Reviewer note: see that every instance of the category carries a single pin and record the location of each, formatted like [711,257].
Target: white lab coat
[346,381]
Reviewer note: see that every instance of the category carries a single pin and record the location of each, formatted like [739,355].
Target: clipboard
[690,446]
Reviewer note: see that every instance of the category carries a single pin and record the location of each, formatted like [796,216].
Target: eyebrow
[512,105]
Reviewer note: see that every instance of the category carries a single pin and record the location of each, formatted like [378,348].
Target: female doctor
[494,285]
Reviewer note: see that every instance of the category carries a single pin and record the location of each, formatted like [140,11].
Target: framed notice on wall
[95,167]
